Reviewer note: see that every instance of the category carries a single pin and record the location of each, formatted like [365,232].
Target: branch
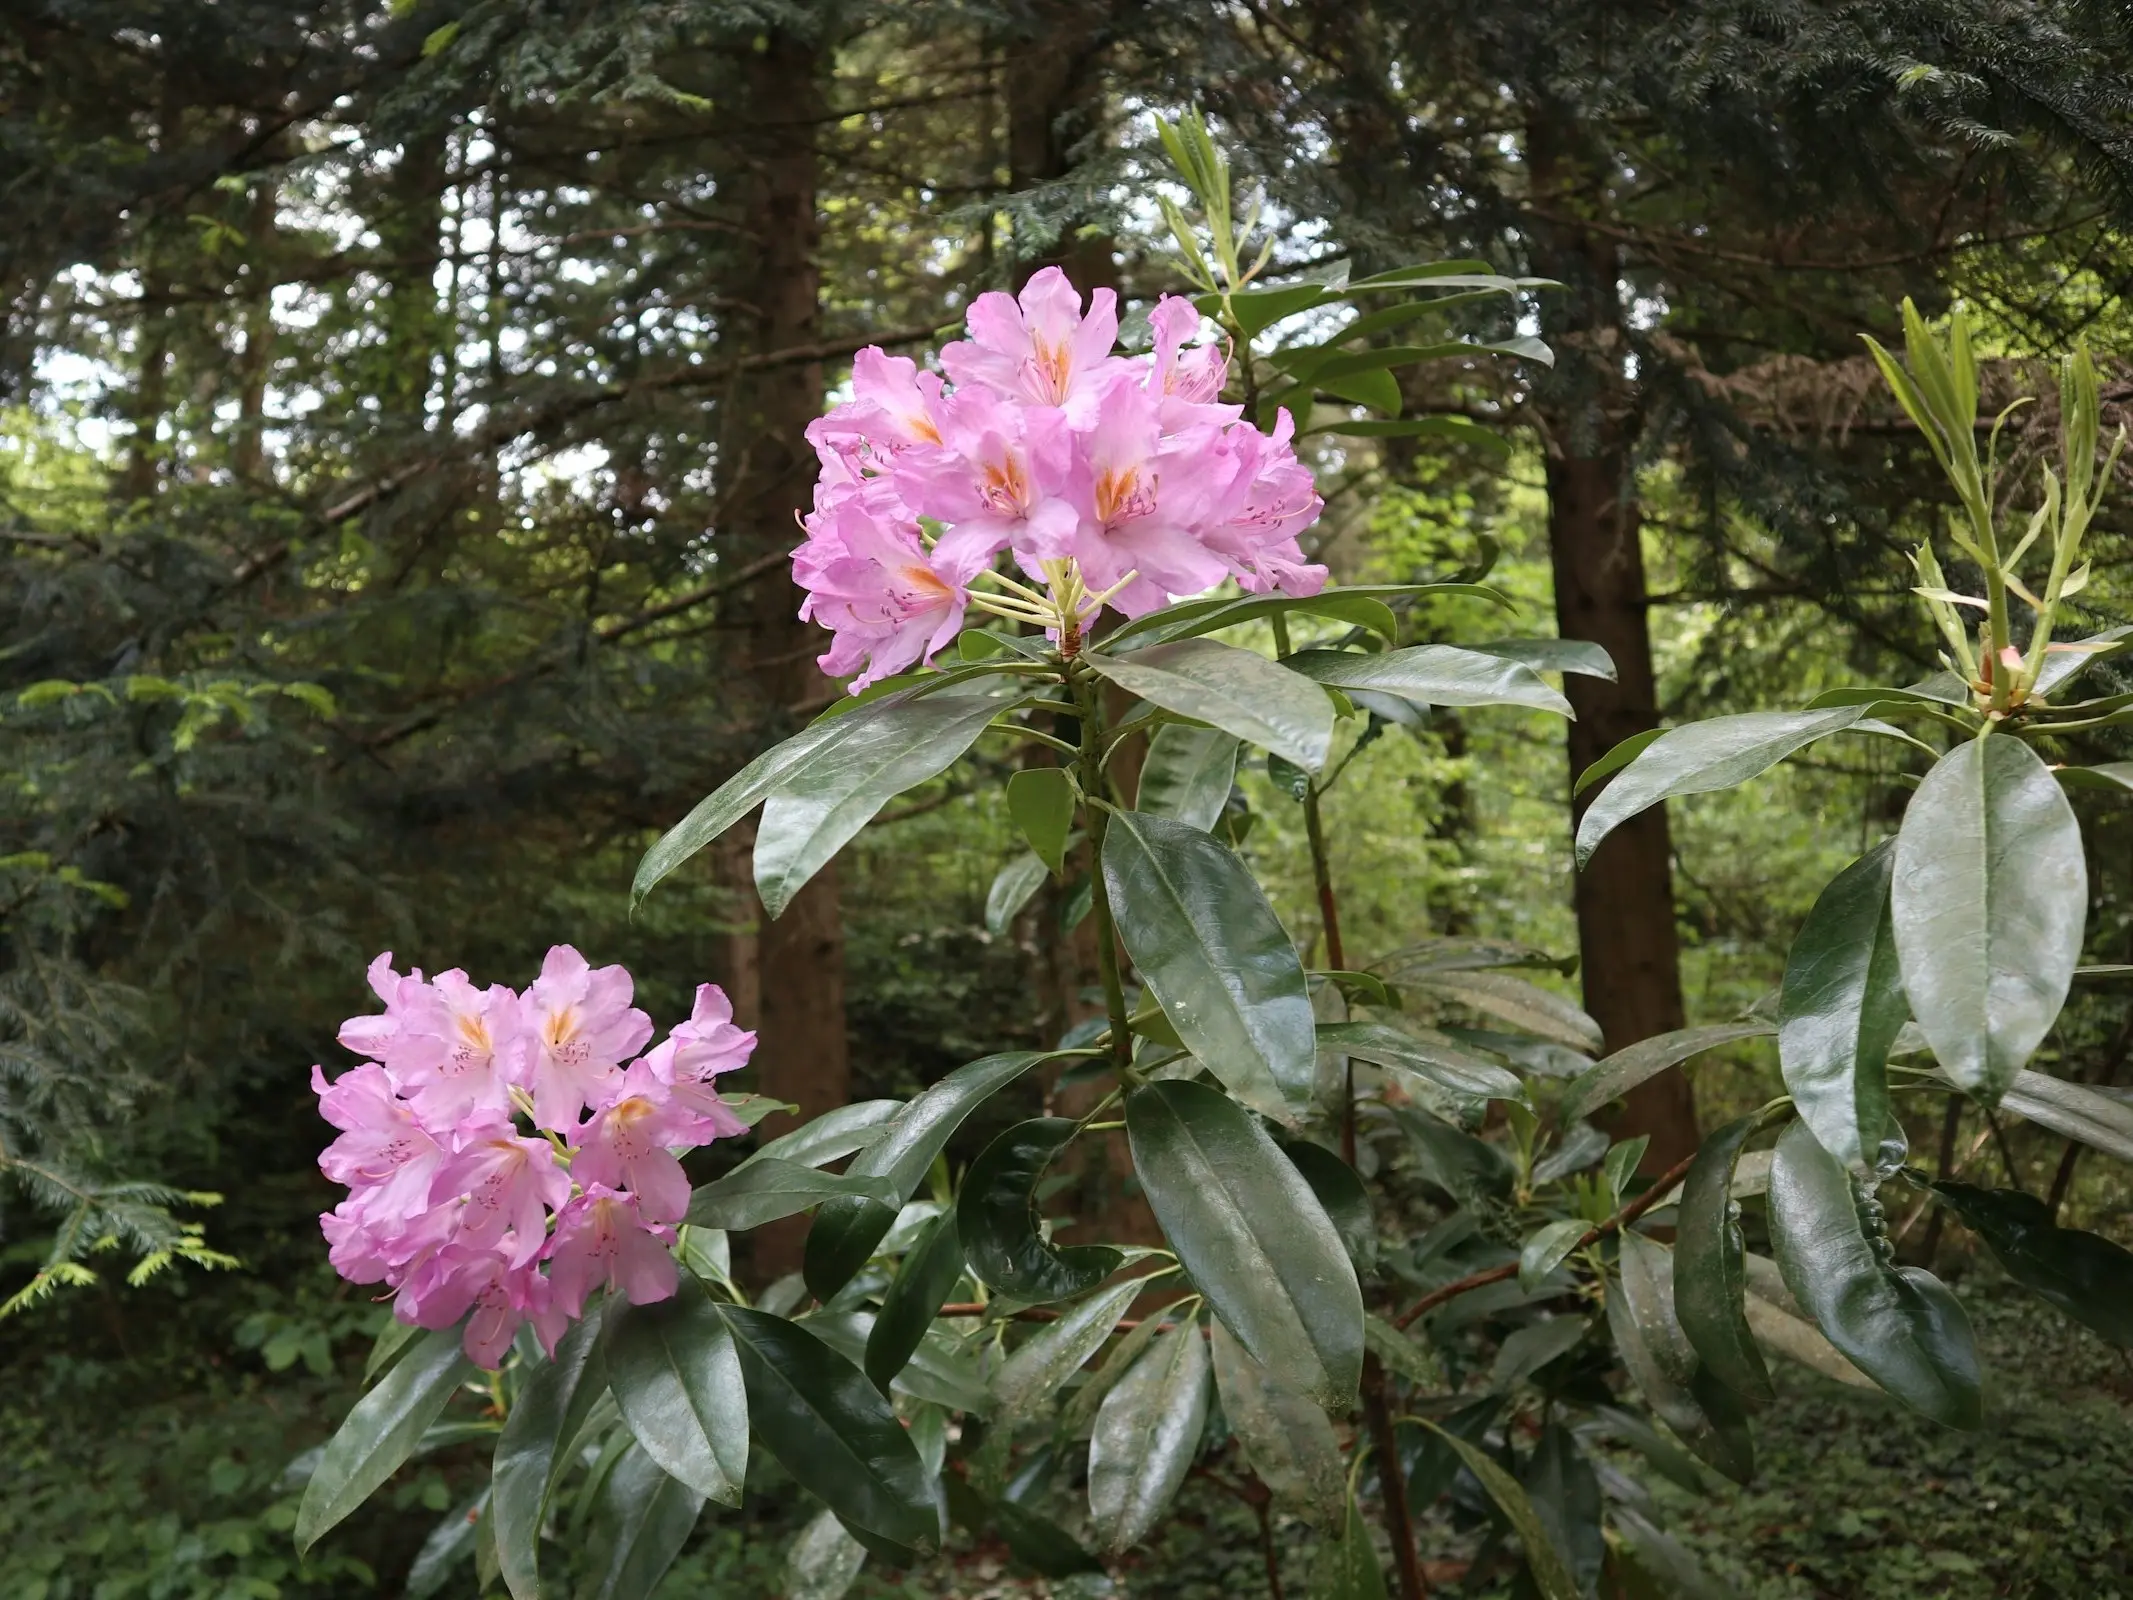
[1644,1202]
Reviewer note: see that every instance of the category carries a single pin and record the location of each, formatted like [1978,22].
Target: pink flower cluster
[1050,447]
[457,1206]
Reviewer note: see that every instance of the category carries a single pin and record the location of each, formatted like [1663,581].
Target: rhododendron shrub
[943,1362]
[505,1155]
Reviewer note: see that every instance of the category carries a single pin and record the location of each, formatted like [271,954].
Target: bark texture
[802,1055]
[1629,949]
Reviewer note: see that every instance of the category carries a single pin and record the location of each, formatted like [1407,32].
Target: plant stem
[1661,1186]
[1088,697]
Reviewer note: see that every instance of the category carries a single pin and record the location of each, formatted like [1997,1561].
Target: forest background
[402,431]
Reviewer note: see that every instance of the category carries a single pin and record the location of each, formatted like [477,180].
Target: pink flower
[580,1028]
[1186,382]
[894,407]
[384,1152]
[1135,492]
[504,1186]
[499,1296]
[1039,348]
[624,1146]
[1271,498]
[1000,480]
[886,598]
[601,1241]
[695,1053]
[373,1036]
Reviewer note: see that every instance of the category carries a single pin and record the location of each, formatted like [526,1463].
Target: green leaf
[1013,888]
[1840,1009]
[1565,1492]
[2062,666]
[1898,1325]
[1551,1573]
[1436,1060]
[1710,1276]
[1216,958]
[1434,1465]
[1673,1463]
[1251,1233]
[1286,1437]
[2073,1111]
[996,1215]
[1989,899]
[824,1560]
[1463,429]
[1041,800]
[643,1519]
[1547,1249]
[940,1369]
[767,1188]
[2084,1274]
[832,1430]
[1238,691]
[1616,759]
[737,796]
[1472,1171]
[1434,674]
[1579,656]
[534,1447]
[450,1543]
[1526,1006]
[1188,774]
[1621,1072]
[1347,1567]
[1147,1433]
[814,809]
[677,1379]
[1699,758]
[1257,309]
[1404,1357]
[923,1282]
[831,1136]
[381,1432]
[846,1230]
[1039,1543]
[391,1343]
[1040,1366]
[1532,1347]
[1341,1192]
[1662,1363]
[1362,604]
[1659,1559]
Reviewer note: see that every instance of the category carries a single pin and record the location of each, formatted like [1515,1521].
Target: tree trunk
[802,1055]
[1627,940]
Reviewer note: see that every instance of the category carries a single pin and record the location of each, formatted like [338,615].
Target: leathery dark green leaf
[846,1231]
[1703,1414]
[815,809]
[1700,757]
[677,1379]
[1615,1075]
[924,1280]
[1041,800]
[1039,1367]
[643,1519]
[1147,1433]
[1209,947]
[1435,674]
[1898,1325]
[1989,899]
[832,1430]
[2084,1274]
[1544,1560]
[1188,774]
[380,1432]
[1252,1235]
[1286,1437]
[1341,1192]
[1238,691]
[996,1216]
[1565,1492]
[535,1441]
[1840,1008]
[1709,1277]
[1348,1567]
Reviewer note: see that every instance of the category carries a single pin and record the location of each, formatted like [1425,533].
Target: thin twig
[1614,1224]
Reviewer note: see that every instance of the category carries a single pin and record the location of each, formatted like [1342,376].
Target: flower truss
[500,1157]
[1107,478]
